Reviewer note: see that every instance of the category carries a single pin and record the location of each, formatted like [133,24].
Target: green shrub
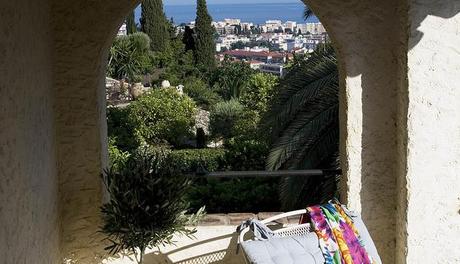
[117,157]
[191,160]
[163,115]
[235,195]
[121,129]
[147,204]
[258,92]
[201,93]
[245,154]
[229,79]
[223,117]
[130,56]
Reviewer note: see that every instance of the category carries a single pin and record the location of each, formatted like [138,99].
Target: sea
[251,12]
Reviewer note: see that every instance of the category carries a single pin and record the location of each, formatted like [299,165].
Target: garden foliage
[163,116]
[147,204]
[129,57]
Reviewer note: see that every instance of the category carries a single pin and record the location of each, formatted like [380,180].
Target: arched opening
[237,56]
[399,124]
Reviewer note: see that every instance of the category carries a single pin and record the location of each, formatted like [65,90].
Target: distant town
[266,47]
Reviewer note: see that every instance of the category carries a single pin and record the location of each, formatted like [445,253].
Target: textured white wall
[432,181]
[367,37]
[83,32]
[28,182]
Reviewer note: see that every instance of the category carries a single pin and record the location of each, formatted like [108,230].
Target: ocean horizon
[256,13]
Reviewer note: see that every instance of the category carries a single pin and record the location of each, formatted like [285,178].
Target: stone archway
[84,31]
[372,42]
[368,110]
[400,144]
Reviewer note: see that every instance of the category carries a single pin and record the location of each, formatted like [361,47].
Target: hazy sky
[186,2]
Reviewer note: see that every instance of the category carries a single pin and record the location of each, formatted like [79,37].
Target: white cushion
[286,250]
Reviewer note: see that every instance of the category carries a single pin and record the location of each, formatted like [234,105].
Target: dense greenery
[256,120]
[200,92]
[259,91]
[129,57]
[131,26]
[155,25]
[223,118]
[235,195]
[163,116]
[204,41]
[147,204]
[199,160]
[303,120]
[230,78]
[160,117]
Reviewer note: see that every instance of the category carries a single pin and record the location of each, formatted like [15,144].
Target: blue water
[255,13]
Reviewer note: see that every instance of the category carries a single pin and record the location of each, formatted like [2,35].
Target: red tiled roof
[246,53]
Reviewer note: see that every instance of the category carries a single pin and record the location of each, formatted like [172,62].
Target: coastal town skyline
[248,12]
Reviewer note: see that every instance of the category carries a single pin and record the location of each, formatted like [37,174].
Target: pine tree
[204,44]
[155,24]
[131,26]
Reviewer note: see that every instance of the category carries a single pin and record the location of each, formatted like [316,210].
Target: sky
[188,2]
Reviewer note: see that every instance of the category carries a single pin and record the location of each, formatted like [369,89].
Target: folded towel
[339,239]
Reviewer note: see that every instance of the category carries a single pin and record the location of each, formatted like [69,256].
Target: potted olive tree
[147,204]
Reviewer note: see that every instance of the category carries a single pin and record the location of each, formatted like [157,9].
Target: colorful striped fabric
[339,240]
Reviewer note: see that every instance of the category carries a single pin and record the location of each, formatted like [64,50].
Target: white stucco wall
[432,179]
[366,35]
[83,32]
[28,180]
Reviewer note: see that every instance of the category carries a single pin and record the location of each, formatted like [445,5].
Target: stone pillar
[367,37]
[83,32]
[429,201]
[29,217]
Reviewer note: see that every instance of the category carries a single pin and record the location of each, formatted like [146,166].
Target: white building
[232,21]
[291,25]
[272,68]
[122,31]
[315,28]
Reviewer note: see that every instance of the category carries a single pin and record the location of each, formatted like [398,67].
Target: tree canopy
[155,24]
[204,42]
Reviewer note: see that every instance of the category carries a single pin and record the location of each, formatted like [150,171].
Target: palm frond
[307,12]
[303,122]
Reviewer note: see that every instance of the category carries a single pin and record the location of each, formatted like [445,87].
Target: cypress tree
[204,43]
[131,26]
[155,24]
[189,39]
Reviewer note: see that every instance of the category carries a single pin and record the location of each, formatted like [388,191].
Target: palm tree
[303,120]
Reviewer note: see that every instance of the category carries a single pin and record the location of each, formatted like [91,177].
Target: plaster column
[29,217]
[368,38]
[429,202]
[83,32]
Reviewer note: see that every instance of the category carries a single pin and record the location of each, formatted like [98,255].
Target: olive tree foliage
[147,204]
[129,57]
